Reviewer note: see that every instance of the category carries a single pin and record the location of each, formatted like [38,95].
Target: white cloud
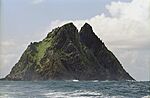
[37,1]
[9,55]
[135,10]
[126,29]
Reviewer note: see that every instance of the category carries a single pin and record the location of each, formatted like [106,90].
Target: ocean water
[74,89]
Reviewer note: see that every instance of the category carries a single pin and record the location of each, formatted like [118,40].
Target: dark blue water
[75,89]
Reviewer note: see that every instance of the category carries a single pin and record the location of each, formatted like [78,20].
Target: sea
[74,89]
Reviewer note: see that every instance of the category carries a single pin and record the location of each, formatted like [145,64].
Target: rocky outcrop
[68,54]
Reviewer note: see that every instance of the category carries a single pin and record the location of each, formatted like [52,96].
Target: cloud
[9,55]
[37,1]
[126,30]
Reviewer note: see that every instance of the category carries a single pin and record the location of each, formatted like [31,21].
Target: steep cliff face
[114,70]
[68,54]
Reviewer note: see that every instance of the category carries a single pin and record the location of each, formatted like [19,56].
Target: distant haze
[123,25]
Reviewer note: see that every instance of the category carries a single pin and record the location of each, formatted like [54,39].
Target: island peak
[66,54]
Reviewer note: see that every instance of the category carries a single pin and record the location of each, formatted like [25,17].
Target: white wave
[131,80]
[75,80]
[148,96]
[76,94]
[79,94]
[106,81]
[115,97]
[71,80]
[95,81]
[86,93]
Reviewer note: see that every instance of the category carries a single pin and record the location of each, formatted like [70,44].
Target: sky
[123,25]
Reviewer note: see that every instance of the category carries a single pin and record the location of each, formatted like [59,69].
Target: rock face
[66,54]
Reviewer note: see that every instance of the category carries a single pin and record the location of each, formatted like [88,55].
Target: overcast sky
[123,25]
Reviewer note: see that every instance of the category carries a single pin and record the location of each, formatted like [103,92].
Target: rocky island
[66,54]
